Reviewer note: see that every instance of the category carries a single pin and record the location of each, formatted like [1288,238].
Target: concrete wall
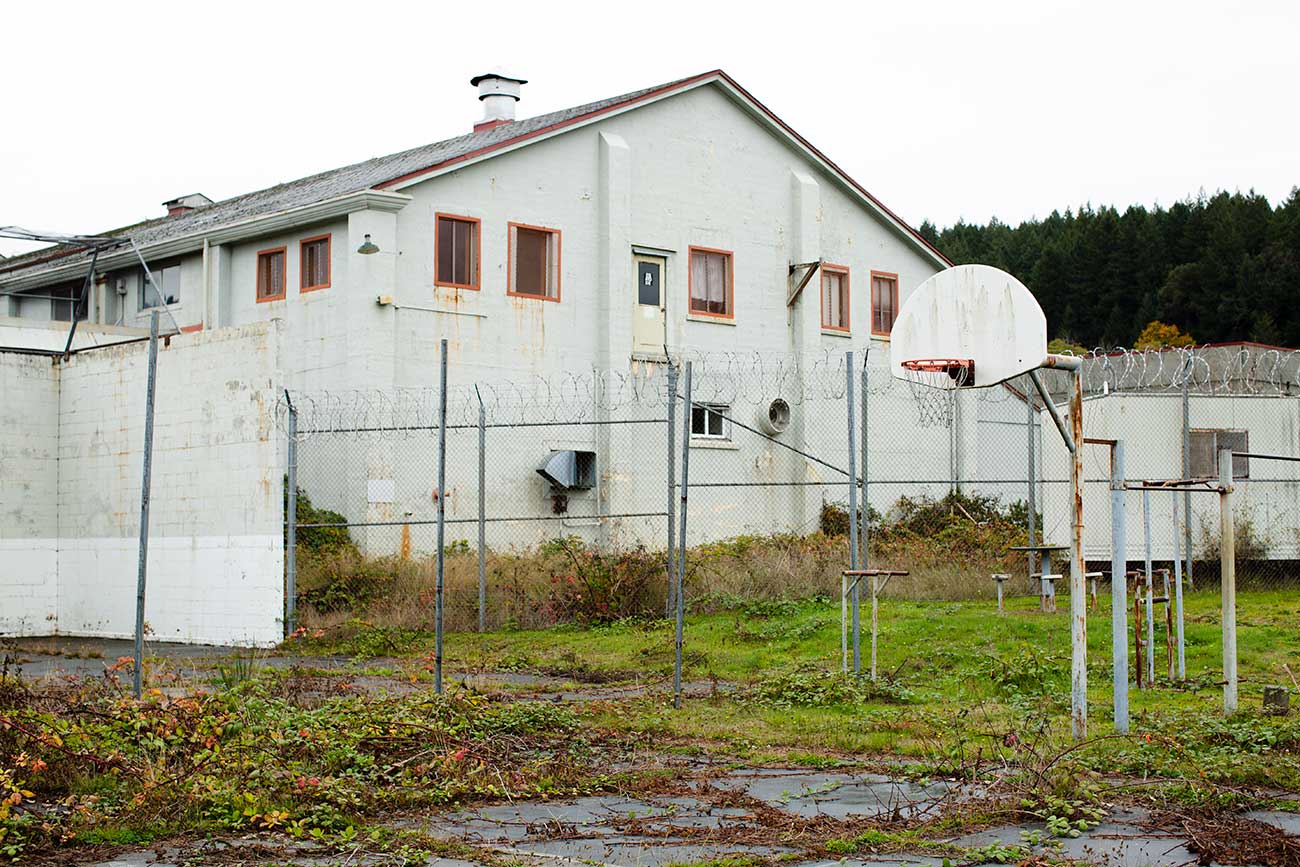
[29,426]
[1151,427]
[216,551]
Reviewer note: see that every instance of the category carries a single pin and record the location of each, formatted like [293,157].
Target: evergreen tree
[1223,267]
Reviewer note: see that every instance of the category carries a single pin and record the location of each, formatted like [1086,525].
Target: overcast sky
[945,111]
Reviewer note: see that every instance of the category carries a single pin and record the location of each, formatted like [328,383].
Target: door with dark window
[648,302]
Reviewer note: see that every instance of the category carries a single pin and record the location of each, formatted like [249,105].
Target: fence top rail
[1260,456]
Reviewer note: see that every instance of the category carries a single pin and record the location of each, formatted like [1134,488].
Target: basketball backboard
[973,317]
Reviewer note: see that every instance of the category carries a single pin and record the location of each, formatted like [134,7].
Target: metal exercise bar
[1228,583]
[1118,591]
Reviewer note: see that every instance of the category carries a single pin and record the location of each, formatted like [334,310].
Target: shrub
[603,586]
[319,540]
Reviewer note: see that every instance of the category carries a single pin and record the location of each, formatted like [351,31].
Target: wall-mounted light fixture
[367,246]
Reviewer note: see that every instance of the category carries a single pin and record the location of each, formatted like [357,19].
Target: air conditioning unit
[774,418]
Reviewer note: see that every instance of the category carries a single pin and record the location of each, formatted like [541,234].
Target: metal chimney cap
[501,75]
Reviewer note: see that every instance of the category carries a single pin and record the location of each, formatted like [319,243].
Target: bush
[319,540]
[600,586]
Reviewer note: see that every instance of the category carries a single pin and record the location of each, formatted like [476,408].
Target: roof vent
[498,92]
[185,204]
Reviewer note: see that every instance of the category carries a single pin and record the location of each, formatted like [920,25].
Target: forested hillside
[1224,267]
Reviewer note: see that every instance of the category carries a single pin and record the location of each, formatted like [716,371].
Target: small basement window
[835,298]
[270,275]
[1206,445]
[535,262]
[314,264]
[166,279]
[456,240]
[711,282]
[709,421]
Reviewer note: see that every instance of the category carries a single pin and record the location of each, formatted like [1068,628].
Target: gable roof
[401,169]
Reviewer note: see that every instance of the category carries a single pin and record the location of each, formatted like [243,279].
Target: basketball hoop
[940,372]
[931,380]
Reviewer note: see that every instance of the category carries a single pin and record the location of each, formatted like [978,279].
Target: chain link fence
[561,497]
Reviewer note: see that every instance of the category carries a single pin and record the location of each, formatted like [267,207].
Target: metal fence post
[482,514]
[1150,604]
[1032,502]
[1228,580]
[1118,589]
[1178,598]
[1187,464]
[291,524]
[864,520]
[146,475]
[670,603]
[442,509]
[679,596]
[853,509]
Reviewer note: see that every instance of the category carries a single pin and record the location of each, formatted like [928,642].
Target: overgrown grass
[942,542]
[85,764]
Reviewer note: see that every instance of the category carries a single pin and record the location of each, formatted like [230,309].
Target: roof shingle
[321,187]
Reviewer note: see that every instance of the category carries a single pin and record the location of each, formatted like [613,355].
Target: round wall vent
[775,418]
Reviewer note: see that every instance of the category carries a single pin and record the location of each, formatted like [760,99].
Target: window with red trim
[456,240]
[535,262]
[314,264]
[270,274]
[884,302]
[835,298]
[711,282]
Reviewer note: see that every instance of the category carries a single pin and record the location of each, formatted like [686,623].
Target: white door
[648,298]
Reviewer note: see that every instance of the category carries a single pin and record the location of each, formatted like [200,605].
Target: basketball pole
[1078,594]
[1073,439]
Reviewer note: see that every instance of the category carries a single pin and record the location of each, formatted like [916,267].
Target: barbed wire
[641,391]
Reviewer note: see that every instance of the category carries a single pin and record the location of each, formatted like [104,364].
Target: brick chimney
[185,204]
[498,93]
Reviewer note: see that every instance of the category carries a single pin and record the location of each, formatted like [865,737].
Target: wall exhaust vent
[570,470]
[774,418]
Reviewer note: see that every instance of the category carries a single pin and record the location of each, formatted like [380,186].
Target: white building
[674,219]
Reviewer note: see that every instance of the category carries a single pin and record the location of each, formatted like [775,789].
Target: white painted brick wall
[215,553]
[29,387]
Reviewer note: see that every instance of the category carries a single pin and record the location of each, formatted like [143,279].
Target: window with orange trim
[270,274]
[456,243]
[314,263]
[884,302]
[711,282]
[534,262]
[835,298]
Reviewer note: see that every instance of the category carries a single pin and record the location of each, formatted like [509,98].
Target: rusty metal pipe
[1052,411]
[1078,590]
